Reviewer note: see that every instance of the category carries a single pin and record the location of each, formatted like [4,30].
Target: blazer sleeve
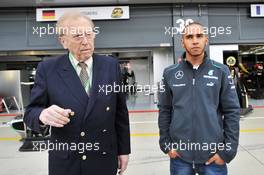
[38,101]
[122,120]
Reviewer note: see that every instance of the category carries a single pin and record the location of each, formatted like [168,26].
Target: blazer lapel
[72,80]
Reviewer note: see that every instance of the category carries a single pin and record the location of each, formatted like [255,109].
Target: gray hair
[67,18]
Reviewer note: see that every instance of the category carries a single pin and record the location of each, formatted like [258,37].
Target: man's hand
[216,159]
[173,154]
[55,116]
[122,163]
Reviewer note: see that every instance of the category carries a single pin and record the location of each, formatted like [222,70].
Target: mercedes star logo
[179,74]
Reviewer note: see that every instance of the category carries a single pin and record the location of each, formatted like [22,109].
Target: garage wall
[20,31]
[245,29]
[145,28]
[227,23]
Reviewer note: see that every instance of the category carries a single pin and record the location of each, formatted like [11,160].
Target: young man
[90,128]
[199,111]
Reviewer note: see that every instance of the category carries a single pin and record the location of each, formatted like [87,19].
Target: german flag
[48,14]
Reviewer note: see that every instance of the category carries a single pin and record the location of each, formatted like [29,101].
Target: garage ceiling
[50,3]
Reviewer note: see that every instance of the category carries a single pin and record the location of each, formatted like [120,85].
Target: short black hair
[193,23]
[189,24]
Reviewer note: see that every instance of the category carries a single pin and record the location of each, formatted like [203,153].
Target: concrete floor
[146,158]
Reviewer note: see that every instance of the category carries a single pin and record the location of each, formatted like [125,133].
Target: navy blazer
[100,123]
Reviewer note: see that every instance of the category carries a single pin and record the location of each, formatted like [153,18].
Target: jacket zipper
[193,83]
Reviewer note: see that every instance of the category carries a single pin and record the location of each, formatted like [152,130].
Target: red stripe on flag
[48,13]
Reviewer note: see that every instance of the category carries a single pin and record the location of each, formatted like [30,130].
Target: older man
[89,127]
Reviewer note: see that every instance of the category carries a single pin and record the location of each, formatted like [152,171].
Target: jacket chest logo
[211,72]
[179,74]
[210,75]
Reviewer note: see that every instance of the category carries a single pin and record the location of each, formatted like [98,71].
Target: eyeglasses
[78,38]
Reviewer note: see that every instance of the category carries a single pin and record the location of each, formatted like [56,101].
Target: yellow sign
[231,61]
[117,13]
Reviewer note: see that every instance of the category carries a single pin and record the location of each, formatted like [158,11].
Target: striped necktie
[84,77]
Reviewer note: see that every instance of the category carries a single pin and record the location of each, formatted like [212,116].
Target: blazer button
[82,134]
[84,157]
[107,108]
[104,153]
[104,130]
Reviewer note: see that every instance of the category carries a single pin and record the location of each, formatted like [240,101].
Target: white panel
[95,13]
[141,70]
[216,51]
[257,10]
[10,85]
[162,58]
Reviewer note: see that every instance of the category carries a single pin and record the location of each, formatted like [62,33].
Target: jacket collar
[206,60]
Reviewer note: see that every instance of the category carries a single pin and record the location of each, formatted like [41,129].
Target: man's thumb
[211,160]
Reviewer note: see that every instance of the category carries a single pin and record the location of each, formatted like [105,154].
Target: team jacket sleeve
[164,120]
[230,109]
